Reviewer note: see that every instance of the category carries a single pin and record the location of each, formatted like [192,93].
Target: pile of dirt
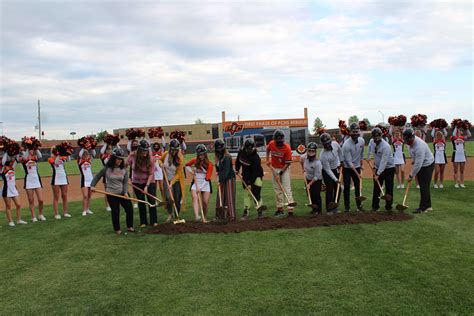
[271,223]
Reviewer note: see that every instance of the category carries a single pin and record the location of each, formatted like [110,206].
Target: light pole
[383,117]
[2,127]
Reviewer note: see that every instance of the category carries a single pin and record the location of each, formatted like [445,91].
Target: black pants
[331,187]
[114,203]
[176,191]
[347,174]
[385,177]
[142,206]
[315,192]
[424,181]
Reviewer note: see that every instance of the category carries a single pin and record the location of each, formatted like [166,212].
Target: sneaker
[456,186]
[83,214]
[435,186]
[399,186]
[156,224]
[142,225]
[462,186]
[417,186]
[135,205]
[352,188]
[170,217]
[34,219]
[441,186]
[41,218]
[245,216]
[89,212]
[361,209]
[108,209]
[197,218]
[11,224]
[388,208]
[419,211]
[67,215]
[428,209]
[21,222]
[290,214]
[402,186]
[57,216]
[375,210]
[347,210]
[279,213]
[260,214]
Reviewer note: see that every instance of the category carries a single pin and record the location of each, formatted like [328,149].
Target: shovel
[386,197]
[124,197]
[177,220]
[260,207]
[310,204]
[277,178]
[360,198]
[402,207]
[160,202]
[335,204]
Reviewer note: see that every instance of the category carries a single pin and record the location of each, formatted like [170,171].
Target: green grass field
[72,168]
[79,266]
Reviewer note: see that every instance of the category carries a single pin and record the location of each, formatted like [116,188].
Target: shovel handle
[277,178]
[376,180]
[146,193]
[165,177]
[123,197]
[247,187]
[406,192]
[307,189]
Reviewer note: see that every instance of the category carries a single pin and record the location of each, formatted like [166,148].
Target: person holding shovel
[116,176]
[331,158]
[423,166]
[173,176]
[279,159]
[384,171]
[353,153]
[313,174]
[252,175]
[201,187]
[226,175]
[143,180]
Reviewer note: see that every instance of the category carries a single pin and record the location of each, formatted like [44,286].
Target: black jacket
[251,166]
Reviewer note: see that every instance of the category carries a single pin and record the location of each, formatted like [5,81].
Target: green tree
[366,120]
[317,124]
[353,119]
[100,136]
[198,121]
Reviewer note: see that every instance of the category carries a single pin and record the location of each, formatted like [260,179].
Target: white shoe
[11,224]
[34,220]
[21,222]
[417,186]
[135,205]
[429,209]
[456,186]
[403,186]
[108,209]
[89,212]
[84,213]
[67,215]
[399,186]
[435,186]
[352,188]
[462,186]
[441,186]
[57,216]
[41,218]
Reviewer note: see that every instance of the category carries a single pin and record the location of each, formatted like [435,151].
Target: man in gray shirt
[353,154]
[384,169]
[422,167]
[331,158]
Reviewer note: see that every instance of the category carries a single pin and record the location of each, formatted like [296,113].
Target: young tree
[100,136]
[317,124]
[353,119]
[198,121]
[366,120]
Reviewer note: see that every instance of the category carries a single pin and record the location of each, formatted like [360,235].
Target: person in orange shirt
[279,160]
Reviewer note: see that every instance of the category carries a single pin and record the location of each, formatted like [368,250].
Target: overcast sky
[99,65]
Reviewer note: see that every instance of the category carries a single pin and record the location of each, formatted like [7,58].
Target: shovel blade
[262,208]
[333,205]
[386,197]
[361,198]
[292,204]
[401,207]
[179,221]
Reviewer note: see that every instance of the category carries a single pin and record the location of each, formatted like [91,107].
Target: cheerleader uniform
[9,181]
[104,158]
[30,165]
[459,155]
[156,155]
[398,154]
[59,173]
[440,152]
[85,167]
[203,177]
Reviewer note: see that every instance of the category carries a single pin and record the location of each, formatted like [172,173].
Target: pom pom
[320,131]
[110,139]
[457,122]
[155,132]
[63,149]
[384,129]
[466,124]
[439,123]
[12,147]
[31,143]
[179,135]
[133,133]
[87,142]
[418,120]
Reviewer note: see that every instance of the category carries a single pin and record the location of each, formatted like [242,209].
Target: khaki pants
[286,184]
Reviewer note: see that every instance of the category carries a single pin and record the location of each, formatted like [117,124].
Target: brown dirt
[75,194]
[272,223]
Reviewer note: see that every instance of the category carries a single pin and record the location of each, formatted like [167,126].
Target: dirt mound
[271,223]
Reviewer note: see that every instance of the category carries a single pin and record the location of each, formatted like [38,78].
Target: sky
[99,65]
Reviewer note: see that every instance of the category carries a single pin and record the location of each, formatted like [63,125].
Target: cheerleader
[173,172]
[399,157]
[143,179]
[459,155]
[202,173]
[33,184]
[9,191]
[105,152]
[439,145]
[84,162]
[59,182]
[156,155]
[226,175]
[252,174]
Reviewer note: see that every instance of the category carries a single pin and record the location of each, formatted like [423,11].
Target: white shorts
[203,185]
